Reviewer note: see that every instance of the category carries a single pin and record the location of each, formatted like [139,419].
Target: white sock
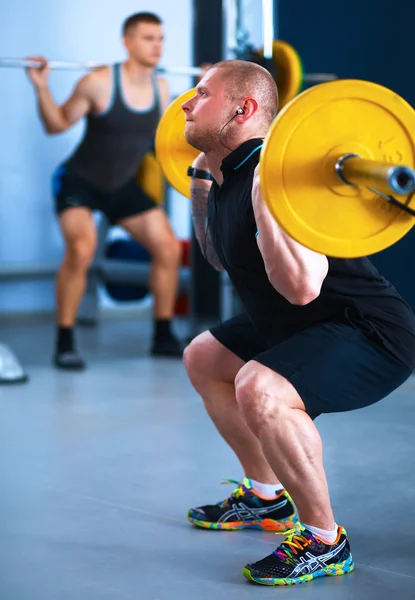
[266,490]
[328,536]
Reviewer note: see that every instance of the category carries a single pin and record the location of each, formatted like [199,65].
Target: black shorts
[333,365]
[71,190]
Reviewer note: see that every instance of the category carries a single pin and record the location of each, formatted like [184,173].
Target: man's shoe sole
[265,524]
[334,570]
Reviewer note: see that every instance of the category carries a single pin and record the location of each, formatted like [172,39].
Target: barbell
[86,66]
[331,166]
[286,61]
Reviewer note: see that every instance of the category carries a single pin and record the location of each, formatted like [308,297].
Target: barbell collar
[387,178]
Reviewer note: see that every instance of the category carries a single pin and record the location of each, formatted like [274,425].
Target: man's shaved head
[243,78]
[212,117]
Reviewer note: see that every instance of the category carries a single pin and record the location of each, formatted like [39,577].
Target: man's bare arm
[296,272]
[199,189]
[58,118]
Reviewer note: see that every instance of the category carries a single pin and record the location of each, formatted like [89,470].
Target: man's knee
[169,251]
[195,358]
[79,254]
[208,362]
[261,394]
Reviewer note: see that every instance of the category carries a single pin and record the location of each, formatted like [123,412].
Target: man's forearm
[199,193]
[50,112]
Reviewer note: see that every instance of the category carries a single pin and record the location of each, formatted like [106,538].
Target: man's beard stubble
[204,141]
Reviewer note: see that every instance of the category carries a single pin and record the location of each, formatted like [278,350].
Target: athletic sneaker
[168,346]
[302,557]
[70,361]
[246,509]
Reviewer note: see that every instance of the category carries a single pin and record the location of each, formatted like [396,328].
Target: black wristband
[199,174]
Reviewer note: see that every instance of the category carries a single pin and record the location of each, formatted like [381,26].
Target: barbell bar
[319,77]
[331,165]
[85,66]
[388,179]
[288,68]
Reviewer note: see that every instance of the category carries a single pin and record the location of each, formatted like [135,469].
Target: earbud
[238,111]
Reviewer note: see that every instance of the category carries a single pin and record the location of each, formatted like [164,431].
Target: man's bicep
[78,104]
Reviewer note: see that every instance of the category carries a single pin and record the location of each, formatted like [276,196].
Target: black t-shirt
[352,290]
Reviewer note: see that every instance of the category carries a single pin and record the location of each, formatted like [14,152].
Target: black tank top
[353,290]
[116,140]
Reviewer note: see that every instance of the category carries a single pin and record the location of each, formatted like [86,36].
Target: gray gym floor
[99,468]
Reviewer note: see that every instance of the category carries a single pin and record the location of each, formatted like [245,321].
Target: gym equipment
[270,36]
[10,369]
[173,153]
[127,250]
[288,71]
[183,303]
[286,65]
[331,164]
[278,56]
[150,178]
[67,65]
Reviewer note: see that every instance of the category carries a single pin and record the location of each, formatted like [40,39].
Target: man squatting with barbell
[122,104]
[319,335]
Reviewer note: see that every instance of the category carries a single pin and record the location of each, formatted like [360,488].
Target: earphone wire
[237,113]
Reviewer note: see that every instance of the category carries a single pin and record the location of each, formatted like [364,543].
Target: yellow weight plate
[298,181]
[173,153]
[150,178]
[288,69]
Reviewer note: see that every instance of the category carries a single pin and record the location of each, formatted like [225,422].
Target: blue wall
[77,30]
[365,39]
